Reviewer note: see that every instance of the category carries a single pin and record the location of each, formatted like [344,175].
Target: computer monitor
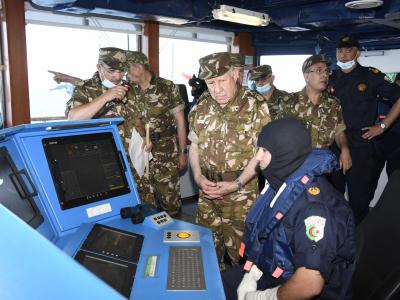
[14,193]
[85,168]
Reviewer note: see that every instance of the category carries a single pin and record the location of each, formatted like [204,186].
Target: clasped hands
[216,190]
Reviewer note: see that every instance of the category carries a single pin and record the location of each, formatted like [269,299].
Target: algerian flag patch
[315,228]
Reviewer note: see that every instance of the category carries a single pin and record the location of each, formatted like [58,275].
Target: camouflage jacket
[273,102]
[324,120]
[226,137]
[157,104]
[90,89]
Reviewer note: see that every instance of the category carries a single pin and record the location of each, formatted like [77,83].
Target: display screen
[85,168]
[14,193]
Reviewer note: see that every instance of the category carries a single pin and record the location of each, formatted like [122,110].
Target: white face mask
[346,65]
[108,84]
[264,89]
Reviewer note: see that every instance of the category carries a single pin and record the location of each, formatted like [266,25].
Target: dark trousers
[388,151]
[361,180]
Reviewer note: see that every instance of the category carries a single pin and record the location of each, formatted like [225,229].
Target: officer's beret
[348,41]
[136,57]
[314,59]
[260,72]
[113,57]
[214,65]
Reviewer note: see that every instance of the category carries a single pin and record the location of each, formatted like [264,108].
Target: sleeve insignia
[315,228]
[314,190]
[362,87]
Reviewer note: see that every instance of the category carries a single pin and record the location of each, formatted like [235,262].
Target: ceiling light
[363,4]
[239,15]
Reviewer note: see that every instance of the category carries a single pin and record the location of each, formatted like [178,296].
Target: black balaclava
[289,143]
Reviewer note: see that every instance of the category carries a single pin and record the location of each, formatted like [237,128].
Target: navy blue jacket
[309,224]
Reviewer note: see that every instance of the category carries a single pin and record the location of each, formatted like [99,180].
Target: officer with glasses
[318,110]
[358,88]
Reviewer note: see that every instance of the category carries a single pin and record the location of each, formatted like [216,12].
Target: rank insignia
[314,190]
[315,228]
[374,70]
[331,89]
[362,87]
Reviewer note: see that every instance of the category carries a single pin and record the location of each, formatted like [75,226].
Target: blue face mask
[346,65]
[264,89]
[108,84]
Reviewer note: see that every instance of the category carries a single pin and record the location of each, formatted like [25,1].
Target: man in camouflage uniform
[105,95]
[264,84]
[223,130]
[320,112]
[237,61]
[159,104]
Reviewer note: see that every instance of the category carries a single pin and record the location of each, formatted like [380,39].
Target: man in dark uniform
[357,87]
[299,235]
[264,84]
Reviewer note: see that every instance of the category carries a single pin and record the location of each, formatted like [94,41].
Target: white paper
[137,153]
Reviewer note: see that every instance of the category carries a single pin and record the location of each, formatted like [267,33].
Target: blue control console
[62,235]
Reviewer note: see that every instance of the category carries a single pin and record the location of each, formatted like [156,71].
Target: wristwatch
[184,151]
[383,126]
[239,184]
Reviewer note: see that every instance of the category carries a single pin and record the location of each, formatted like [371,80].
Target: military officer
[237,61]
[105,94]
[223,129]
[357,88]
[264,84]
[159,104]
[319,111]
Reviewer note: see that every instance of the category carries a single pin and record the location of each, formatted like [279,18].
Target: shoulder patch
[314,190]
[315,228]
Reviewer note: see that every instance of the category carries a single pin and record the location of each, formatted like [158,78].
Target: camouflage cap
[314,59]
[136,57]
[237,60]
[260,72]
[348,41]
[113,57]
[214,65]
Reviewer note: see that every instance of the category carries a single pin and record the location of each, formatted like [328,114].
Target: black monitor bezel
[55,174]
[23,192]
[99,228]
[129,275]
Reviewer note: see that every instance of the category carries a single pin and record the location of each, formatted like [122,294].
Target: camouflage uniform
[273,101]
[89,89]
[157,105]
[226,138]
[324,120]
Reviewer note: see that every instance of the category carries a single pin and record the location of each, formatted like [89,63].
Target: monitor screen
[14,193]
[85,168]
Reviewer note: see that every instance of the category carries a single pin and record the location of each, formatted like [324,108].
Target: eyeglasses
[319,71]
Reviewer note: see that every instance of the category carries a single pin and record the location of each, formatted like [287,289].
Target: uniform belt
[163,134]
[217,176]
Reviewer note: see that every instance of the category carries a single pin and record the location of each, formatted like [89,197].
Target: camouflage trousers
[162,188]
[226,218]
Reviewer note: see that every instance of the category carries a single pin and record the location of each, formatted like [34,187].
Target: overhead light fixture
[363,4]
[239,15]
